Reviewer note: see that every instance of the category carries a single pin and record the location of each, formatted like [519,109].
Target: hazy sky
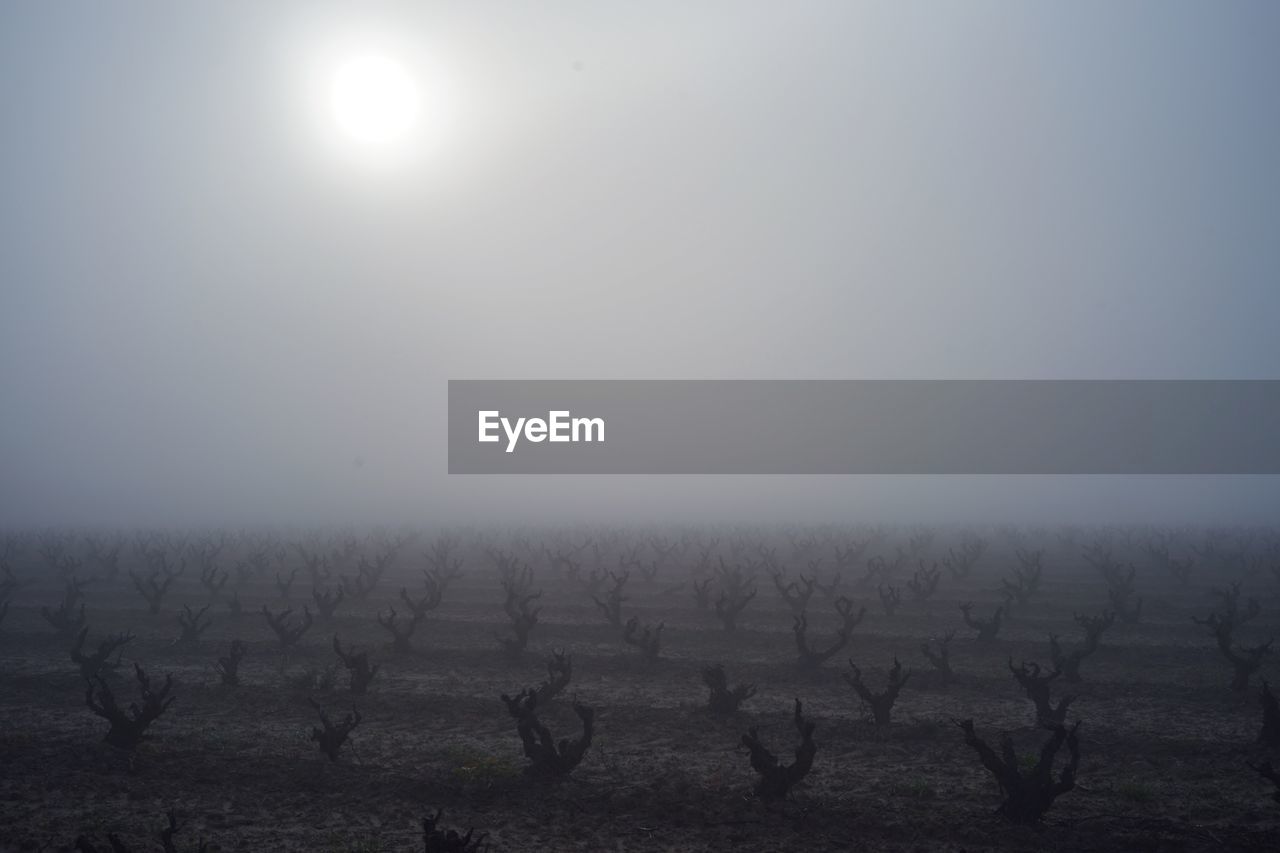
[211,311]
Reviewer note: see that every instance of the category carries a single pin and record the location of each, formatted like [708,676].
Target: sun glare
[374,101]
[379,103]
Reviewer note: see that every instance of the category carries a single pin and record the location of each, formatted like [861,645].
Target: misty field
[1161,641]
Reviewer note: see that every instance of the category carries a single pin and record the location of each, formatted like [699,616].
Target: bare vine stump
[331,737]
[776,780]
[524,618]
[401,632]
[1036,684]
[358,667]
[129,726]
[881,703]
[285,630]
[648,641]
[1027,795]
[724,701]
[811,657]
[987,629]
[546,757]
[192,624]
[92,665]
[228,666]
[327,599]
[559,674]
[437,840]
[1069,664]
[611,606]
[941,659]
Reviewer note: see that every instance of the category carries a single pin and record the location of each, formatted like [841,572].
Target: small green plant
[472,767]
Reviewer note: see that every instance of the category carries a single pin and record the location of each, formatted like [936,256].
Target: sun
[374,101]
[377,105]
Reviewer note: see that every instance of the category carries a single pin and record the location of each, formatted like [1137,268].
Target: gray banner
[864,427]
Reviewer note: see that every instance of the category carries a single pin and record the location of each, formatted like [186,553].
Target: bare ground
[1164,743]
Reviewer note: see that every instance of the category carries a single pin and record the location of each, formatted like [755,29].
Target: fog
[209,314]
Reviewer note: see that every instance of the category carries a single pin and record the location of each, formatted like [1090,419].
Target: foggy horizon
[217,312]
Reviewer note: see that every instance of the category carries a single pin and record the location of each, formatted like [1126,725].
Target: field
[1164,742]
